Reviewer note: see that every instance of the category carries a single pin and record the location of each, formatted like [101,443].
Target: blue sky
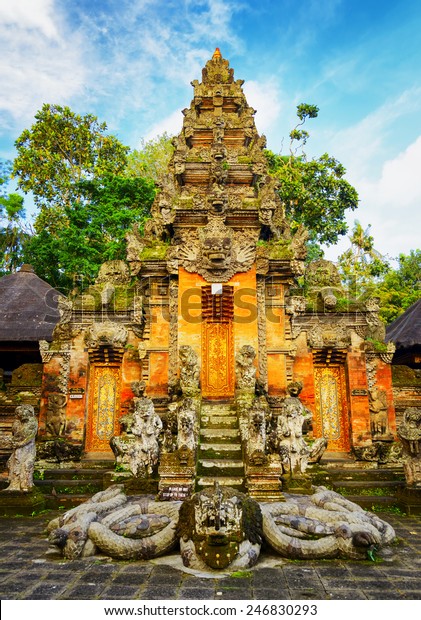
[130,62]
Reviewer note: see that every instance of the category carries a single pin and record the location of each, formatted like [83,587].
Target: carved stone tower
[215,205]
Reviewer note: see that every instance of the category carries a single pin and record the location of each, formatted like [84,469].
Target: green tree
[151,159]
[12,232]
[61,149]
[400,287]
[361,266]
[314,192]
[94,232]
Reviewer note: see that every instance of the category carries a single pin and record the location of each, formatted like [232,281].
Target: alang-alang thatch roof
[405,331]
[28,307]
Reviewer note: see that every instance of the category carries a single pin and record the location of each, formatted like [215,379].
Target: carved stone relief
[108,334]
[409,432]
[216,252]
[329,334]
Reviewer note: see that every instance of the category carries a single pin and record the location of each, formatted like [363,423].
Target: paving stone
[46,591]
[84,591]
[119,592]
[196,593]
[346,595]
[154,594]
[271,594]
[308,594]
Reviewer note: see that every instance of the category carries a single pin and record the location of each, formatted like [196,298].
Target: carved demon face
[214,521]
[217,251]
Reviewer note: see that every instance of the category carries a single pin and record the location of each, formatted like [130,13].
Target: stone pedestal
[25,503]
[410,500]
[177,473]
[264,482]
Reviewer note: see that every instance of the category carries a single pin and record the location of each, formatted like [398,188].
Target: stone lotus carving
[21,463]
[216,252]
[218,528]
[107,334]
[409,432]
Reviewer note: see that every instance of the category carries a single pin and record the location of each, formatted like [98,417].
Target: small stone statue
[245,370]
[409,432]
[21,462]
[138,446]
[378,412]
[56,414]
[256,444]
[287,438]
[187,425]
[189,371]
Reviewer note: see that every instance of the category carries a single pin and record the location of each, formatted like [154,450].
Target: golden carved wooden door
[103,408]
[218,376]
[331,418]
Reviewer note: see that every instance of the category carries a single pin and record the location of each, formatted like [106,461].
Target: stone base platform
[21,503]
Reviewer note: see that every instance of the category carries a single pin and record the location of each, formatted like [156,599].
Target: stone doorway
[331,417]
[218,375]
[103,408]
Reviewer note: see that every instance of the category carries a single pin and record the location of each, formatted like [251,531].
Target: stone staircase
[366,484]
[220,456]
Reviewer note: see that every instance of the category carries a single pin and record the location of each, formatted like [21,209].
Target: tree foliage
[361,266]
[401,287]
[61,149]
[12,231]
[94,232]
[314,192]
[151,160]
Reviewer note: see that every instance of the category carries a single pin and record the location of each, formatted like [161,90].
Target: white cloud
[391,203]
[39,61]
[364,146]
[172,125]
[29,14]
[264,97]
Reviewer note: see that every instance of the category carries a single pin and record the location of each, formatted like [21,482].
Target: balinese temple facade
[208,312]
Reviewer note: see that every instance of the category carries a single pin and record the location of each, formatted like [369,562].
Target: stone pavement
[26,572]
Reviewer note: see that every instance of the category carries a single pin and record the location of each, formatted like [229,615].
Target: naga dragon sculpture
[218,528]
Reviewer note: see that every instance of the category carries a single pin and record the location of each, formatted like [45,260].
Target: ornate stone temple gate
[207,315]
[331,416]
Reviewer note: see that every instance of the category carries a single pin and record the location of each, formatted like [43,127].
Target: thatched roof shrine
[28,307]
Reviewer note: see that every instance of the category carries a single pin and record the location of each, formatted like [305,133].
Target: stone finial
[217,54]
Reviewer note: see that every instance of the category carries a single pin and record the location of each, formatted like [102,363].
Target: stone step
[220,451]
[371,502]
[220,411]
[69,474]
[377,488]
[374,475]
[220,467]
[204,482]
[217,421]
[219,435]
[70,487]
